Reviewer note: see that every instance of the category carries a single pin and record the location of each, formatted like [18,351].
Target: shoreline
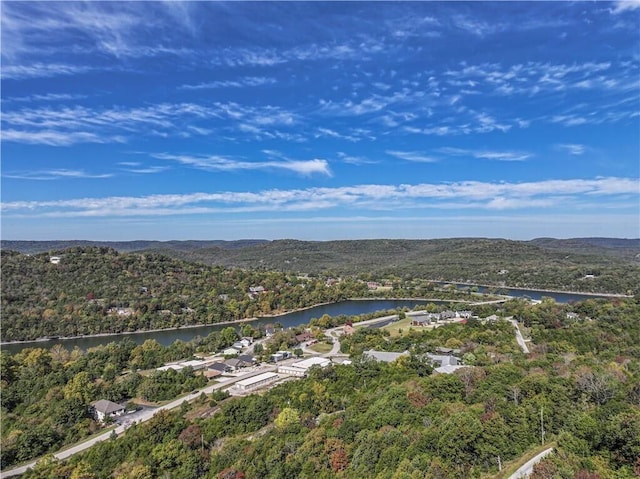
[284,313]
[158,330]
[538,290]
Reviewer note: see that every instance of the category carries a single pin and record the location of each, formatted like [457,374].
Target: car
[195,392]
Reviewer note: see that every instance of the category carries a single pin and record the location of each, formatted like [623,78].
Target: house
[54,260]
[349,329]
[573,316]
[237,363]
[464,314]
[216,369]
[104,409]
[220,367]
[445,362]
[422,318]
[247,359]
[383,356]
[493,317]
[280,355]
[256,289]
[246,341]
[372,285]
[239,345]
[304,337]
[231,351]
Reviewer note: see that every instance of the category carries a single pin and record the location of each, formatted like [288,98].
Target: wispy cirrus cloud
[55,174]
[58,138]
[413,156]
[224,163]
[68,125]
[458,195]
[573,148]
[487,154]
[48,97]
[355,160]
[41,70]
[239,83]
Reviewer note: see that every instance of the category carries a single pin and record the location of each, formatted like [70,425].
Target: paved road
[519,337]
[527,469]
[143,417]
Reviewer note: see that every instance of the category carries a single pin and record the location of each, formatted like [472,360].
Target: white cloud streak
[222,163]
[59,174]
[460,195]
[240,83]
[413,156]
[573,149]
[625,5]
[487,155]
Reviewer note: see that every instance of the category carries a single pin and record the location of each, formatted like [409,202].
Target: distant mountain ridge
[577,264]
[33,247]
[593,245]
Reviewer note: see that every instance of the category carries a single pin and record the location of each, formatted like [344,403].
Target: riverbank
[188,326]
[45,342]
[537,290]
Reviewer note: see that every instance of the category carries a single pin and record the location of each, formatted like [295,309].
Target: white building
[175,367]
[255,382]
[194,363]
[104,408]
[301,368]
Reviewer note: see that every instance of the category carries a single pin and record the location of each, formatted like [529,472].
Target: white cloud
[58,138]
[355,160]
[49,97]
[67,125]
[222,163]
[59,174]
[573,149]
[41,70]
[414,156]
[460,195]
[625,5]
[239,83]
[487,155]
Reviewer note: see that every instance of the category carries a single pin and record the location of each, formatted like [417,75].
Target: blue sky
[320,120]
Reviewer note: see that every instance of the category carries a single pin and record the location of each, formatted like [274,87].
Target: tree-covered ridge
[398,420]
[98,290]
[581,264]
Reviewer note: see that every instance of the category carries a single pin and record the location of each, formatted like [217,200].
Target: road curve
[527,468]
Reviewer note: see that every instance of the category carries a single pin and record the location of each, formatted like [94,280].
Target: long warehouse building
[256,381]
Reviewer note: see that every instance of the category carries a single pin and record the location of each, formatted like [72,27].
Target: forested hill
[587,264]
[33,247]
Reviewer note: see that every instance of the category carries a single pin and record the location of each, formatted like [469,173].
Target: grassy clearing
[513,466]
[399,328]
[321,348]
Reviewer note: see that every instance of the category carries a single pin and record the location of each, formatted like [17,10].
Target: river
[296,318]
[166,337]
